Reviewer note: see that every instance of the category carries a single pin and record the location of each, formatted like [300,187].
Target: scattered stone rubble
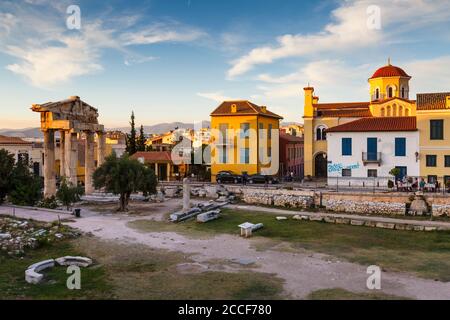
[33,275]
[209,216]
[366,207]
[17,235]
[441,210]
[207,207]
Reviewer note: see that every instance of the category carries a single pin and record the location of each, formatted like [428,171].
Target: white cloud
[349,31]
[431,75]
[161,33]
[48,54]
[47,63]
[215,96]
[332,77]
[137,60]
[7,22]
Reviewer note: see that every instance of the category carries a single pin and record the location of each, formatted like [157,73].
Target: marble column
[186,195]
[62,153]
[49,164]
[168,172]
[71,156]
[101,146]
[89,162]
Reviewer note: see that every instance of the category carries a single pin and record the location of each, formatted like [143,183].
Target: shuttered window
[346,146]
[400,147]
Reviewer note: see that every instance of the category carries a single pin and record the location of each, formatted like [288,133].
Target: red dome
[390,71]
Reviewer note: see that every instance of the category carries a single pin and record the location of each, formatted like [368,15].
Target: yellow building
[241,135]
[433,121]
[389,97]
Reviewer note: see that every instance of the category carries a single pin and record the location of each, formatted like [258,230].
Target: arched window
[390,92]
[403,93]
[377,94]
[383,112]
[320,133]
[400,111]
[388,111]
[394,110]
[406,112]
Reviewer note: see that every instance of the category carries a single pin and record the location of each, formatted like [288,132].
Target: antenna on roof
[389,61]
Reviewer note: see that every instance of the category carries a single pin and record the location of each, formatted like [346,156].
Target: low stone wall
[279,198]
[366,223]
[366,207]
[293,201]
[440,210]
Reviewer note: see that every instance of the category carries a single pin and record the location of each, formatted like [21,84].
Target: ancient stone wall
[441,210]
[366,207]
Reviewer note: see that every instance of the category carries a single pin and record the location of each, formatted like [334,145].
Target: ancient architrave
[72,118]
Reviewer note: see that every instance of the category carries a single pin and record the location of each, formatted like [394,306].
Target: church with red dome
[390,112]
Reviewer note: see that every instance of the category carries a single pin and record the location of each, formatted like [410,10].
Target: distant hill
[156,129]
[22,133]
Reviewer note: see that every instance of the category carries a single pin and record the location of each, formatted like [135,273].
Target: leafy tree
[141,140]
[69,194]
[123,176]
[131,138]
[394,172]
[6,167]
[26,188]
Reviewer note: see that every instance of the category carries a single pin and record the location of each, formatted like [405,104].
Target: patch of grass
[426,254]
[341,294]
[130,272]
[139,272]
[94,283]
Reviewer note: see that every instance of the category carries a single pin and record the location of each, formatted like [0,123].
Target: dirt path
[302,271]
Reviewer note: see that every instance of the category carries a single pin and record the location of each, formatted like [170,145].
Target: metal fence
[436,185]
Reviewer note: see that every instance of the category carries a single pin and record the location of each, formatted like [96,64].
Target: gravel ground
[303,271]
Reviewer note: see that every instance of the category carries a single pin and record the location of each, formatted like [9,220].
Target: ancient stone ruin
[72,118]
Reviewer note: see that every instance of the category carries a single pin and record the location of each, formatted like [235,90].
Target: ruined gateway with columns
[72,118]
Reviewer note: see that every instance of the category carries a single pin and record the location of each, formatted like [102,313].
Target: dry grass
[341,294]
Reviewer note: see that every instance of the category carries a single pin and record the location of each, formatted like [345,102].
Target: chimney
[264,109]
[233,108]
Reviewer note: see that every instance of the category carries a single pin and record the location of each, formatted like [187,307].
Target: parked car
[259,178]
[228,177]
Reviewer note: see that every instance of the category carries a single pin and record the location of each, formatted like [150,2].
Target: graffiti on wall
[337,167]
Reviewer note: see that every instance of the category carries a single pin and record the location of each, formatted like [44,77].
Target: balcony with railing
[371,157]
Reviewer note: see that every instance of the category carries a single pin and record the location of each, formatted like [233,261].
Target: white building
[31,152]
[363,152]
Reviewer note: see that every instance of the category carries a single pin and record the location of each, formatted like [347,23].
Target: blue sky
[175,60]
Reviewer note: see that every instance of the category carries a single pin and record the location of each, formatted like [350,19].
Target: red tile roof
[390,71]
[378,124]
[13,141]
[153,156]
[290,138]
[342,105]
[356,113]
[432,101]
[343,109]
[243,107]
